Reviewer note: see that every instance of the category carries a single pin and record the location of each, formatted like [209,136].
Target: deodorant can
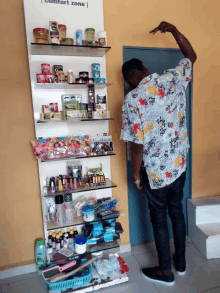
[60,208]
[79,37]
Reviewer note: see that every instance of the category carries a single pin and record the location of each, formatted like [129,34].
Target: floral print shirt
[154,114]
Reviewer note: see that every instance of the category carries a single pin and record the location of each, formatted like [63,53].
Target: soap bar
[76,115]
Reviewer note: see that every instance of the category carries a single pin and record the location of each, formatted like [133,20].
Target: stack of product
[46,76]
[62,238]
[105,231]
[61,147]
[70,146]
[96,73]
[57,34]
[74,180]
[50,112]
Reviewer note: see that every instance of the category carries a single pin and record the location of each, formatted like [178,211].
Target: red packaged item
[123,266]
[53,107]
[40,78]
[50,78]
[45,68]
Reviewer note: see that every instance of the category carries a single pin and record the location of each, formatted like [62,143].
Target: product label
[108,237]
[57,246]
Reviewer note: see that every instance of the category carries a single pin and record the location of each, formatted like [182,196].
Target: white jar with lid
[70,76]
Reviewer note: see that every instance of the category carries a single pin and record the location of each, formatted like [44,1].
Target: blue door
[155,60]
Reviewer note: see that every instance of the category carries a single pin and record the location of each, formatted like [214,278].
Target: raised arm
[182,41]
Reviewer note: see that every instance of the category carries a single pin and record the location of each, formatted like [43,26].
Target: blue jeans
[159,201]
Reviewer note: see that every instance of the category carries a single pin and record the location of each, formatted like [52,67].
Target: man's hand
[164,27]
[138,185]
[182,41]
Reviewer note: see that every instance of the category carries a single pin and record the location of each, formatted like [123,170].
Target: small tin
[67,41]
[88,213]
[84,74]
[96,74]
[99,80]
[79,37]
[95,66]
[40,78]
[80,80]
[45,68]
[61,76]
[50,78]
[90,80]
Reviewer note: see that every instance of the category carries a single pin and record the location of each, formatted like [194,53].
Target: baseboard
[18,271]
[125,248]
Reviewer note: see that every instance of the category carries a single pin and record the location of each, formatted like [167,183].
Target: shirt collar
[148,78]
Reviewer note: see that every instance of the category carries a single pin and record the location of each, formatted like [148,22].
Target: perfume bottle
[52,189]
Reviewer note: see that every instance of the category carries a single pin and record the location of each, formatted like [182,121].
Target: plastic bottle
[79,37]
[68,231]
[60,208]
[50,239]
[58,242]
[40,255]
[70,76]
[53,240]
[75,232]
[71,239]
[66,238]
[69,207]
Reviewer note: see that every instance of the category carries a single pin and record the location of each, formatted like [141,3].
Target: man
[154,121]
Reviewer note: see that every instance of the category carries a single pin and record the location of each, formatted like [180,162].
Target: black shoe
[152,275]
[180,267]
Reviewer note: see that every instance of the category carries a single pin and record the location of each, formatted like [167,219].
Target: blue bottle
[40,255]
[79,37]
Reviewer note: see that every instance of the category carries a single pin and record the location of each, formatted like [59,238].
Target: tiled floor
[202,275]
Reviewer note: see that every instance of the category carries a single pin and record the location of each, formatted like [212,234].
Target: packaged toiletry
[79,37]
[50,209]
[71,105]
[76,115]
[40,78]
[54,32]
[46,109]
[41,35]
[45,68]
[62,32]
[101,99]
[102,39]
[60,208]
[40,255]
[96,66]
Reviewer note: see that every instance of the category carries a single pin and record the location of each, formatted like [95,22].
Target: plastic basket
[71,284]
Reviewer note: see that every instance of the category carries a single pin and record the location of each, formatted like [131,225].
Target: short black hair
[130,66]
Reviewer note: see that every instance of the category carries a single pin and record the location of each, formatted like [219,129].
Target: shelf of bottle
[109,184]
[75,121]
[76,158]
[68,50]
[69,86]
[76,222]
[90,249]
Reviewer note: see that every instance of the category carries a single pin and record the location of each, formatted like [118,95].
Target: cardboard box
[46,109]
[71,105]
[56,116]
[76,115]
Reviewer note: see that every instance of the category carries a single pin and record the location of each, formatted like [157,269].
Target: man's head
[134,71]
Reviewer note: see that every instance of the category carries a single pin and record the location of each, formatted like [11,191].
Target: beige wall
[127,24]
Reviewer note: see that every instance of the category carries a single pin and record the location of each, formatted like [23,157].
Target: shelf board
[76,222]
[68,50]
[109,184]
[75,121]
[69,86]
[76,158]
[90,249]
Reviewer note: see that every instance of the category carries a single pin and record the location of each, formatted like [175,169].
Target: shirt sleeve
[183,71]
[131,129]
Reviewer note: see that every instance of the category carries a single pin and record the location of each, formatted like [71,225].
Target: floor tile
[4,288]
[201,275]
[32,285]
[214,290]
[136,283]
[18,278]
